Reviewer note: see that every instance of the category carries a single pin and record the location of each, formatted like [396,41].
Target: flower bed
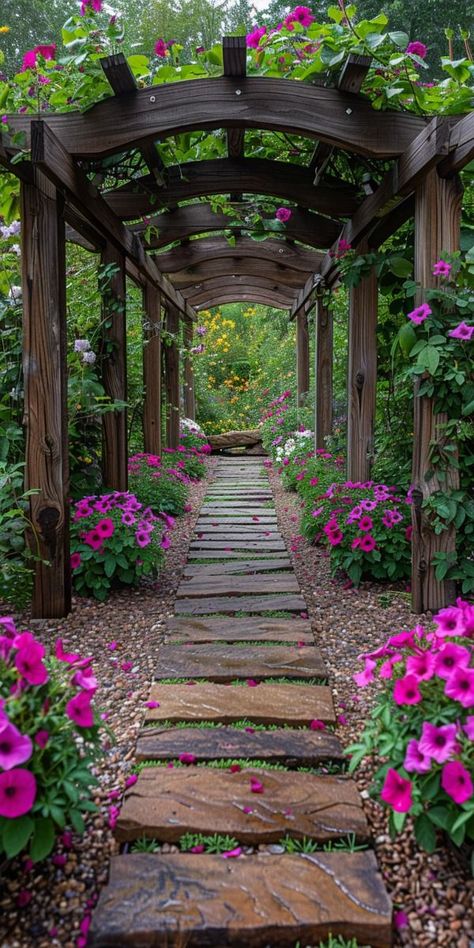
[115,539]
[49,738]
[157,485]
[421,726]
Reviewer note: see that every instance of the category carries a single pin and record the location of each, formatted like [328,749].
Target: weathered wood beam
[302,357]
[362,377]
[193,278]
[114,370]
[189,394]
[242,295]
[283,105]
[151,370]
[437,231]
[242,281]
[304,226]
[172,378]
[323,373]
[196,179]
[123,82]
[217,248]
[45,399]
[49,155]
[461,145]
[234,55]
[306,293]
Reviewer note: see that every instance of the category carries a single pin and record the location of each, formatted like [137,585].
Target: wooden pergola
[190,265]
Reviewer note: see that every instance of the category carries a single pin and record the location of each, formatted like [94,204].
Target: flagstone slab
[219,504]
[232,629]
[199,587]
[296,748]
[213,527]
[165,804]
[226,704]
[283,563]
[235,536]
[245,518]
[228,604]
[222,662]
[256,901]
[245,545]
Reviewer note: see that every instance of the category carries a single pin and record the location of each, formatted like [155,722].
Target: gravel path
[433,891]
[49,904]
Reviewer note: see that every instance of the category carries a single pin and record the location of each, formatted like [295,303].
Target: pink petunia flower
[422,666]
[15,748]
[62,656]
[367,543]
[232,853]
[449,621]
[160,48]
[283,214]
[17,793]
[317,725]
[462,331]
[79,709]
[75,560]
[105,528]
[442,269]
[29,663]
[253,38]
[450,657]
[256,786]
[419,314]
[407,690]
[42,738]
[397,792]
[415,759]
[460,686]
[187,758]
[468,727]
[456,781]
[417,49]
[365,524]
[363,678]
[438,742]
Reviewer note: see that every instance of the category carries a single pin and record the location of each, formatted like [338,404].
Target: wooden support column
[45,381]
[362,377]
[437,231]
[302,356]
[323,374]
[172,378]
[189,395]
[152,369]
[114,371]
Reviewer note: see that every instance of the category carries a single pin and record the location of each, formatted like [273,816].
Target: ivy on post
[45,382]
[437,231]
[189,395]
[114,368]
[362,376]
[302,356]
[323,372]
[152,369]
[172,376]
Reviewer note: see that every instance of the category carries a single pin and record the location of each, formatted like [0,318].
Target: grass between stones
[221,843]
[242,643]
[241,725]
[240,614]
[245,763]
[243,682]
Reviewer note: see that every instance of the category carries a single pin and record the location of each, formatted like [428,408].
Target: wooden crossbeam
[461,147]
[217,248]
[234,56]
[123,82]
[231,267]
[48,154]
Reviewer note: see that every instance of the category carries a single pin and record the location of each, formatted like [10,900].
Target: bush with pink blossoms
[115,540]
[422,726]
[159,484]
[49,739]
[366,528]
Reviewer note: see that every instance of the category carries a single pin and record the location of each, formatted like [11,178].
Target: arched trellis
[240,295]
[238,283]
[210,249]
[230,267]
[426,157]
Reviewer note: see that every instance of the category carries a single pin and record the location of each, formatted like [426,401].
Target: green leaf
[440,816]
[43,839]
[406,338]
[425,833]
[400,38]
[76,821]
[16,835]
[401,267]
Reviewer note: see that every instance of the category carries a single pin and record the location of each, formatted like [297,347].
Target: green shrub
[162,488]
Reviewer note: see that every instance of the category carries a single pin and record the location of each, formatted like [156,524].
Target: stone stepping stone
[223,662]
[214,527]
[226,504]
[245,545]
[235,536]
[228,554]
[166,804]
[283,563]
[256,901]
[223,521]
[199,587]
[294,705]
[240,630]
[229,604]
[296,748]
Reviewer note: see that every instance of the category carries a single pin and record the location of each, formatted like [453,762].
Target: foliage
[422,727]
[49,739]
[161,488]
[16,576]
[115,539]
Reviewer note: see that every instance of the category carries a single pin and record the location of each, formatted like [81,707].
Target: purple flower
[419,314]
[416,48]
[437,742]
[442,269]
[415,760]
[81,345]
[15,748]
[462,331]
[253,38]
[17,793]
[283,214]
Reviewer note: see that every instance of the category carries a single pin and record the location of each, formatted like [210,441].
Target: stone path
[241,684]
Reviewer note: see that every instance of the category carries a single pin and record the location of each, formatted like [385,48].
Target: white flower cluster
[10,230]
[188,425]
[84,347]
[293,442]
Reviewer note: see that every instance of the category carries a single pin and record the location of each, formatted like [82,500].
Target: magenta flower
[143,538]
[8,625]
[187,758]
[415,760]
[468,727]
[95,5]
[422,666]
[79,709]
[253,38]
[366,524]
[17,793]
[367,543]
[94,539]
[62,656]
[15,748]
[256,786]
[335,537]
[407,691]
[160,48]
[364,677]
[317,725]
[232,853]
[29,663]
[449,657]
[397,792]
[456,781]
[75,560]
[283,214]
[442,269]
[165,542]
[42,738]
[449,621]
[438,742]
[85,680]
[301,15]
[460,686]
[417,49]
[105,528]
[462,331]
[419,314]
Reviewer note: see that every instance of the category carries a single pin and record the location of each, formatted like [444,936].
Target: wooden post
[189,395]
[114,370]
[172,378]
[302,356]
[45,381]
[323,374]
[152,369]
[362,377]
[437,230]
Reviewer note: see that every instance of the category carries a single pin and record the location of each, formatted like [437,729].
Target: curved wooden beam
[192,219]
[285,105]
[238,284]
[217,248]
[220,298]
[281,179]
[233,266]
